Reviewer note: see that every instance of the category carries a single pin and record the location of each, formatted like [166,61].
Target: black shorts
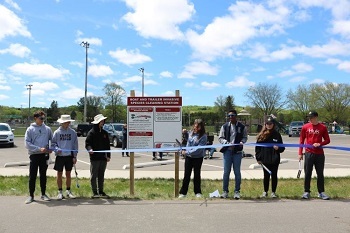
[63,161]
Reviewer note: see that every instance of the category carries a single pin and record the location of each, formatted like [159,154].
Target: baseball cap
[313,114]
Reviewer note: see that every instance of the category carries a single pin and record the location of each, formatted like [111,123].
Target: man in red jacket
[316,135]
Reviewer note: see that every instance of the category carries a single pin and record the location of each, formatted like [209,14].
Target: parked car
[115,133]
[295,128]
[6,135]
[83,129]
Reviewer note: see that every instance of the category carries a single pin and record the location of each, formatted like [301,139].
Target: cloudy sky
[203,48]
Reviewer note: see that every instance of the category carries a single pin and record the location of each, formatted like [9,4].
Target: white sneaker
[237,195]
[199,195]
[323,196]
[306,195]
[264,195]
[224,194]
[60,195]
[273,195]
[182,196]
[70,194]
[45,198]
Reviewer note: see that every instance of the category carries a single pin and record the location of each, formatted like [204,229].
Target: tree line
[330,100]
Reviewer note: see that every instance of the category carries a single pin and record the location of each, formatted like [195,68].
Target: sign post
[153,122]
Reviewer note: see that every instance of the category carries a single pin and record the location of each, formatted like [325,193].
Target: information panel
[154,122]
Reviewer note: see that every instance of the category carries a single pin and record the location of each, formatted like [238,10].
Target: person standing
[65,144]
[269,155]
[194,158]
[36,140]
[97,140]
[232,132]
[315,135]
[125,139]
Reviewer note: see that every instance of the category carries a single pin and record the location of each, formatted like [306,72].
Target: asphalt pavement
[202,215]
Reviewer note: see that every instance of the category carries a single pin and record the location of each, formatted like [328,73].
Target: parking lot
[336,160]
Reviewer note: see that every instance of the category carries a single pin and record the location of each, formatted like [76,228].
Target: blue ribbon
[172,149]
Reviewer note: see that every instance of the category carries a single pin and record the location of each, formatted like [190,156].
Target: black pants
[309,161]
[124,144]
[196,165]
[37,161]
[274,179]
[97,175]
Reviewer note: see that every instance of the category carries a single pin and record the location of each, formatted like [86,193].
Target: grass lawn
[163,189]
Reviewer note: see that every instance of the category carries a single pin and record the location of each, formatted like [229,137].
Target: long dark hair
[200,123]
[265,132]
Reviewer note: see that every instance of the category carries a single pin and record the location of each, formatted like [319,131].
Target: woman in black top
[269,154]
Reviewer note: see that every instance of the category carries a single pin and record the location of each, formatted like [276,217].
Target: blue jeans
[232,160]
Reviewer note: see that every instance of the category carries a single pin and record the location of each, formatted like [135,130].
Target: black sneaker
[104,195]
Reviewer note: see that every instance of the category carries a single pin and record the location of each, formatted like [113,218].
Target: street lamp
[143,78]
[29,87]
[86,45]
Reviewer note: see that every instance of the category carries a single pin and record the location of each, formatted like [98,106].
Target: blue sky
[203,48]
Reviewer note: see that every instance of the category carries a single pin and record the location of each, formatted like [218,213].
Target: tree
[224,105]
[229,103]
[333,100]
[114,95]
[267,98]
[300,100]
[53,113]
[94,106]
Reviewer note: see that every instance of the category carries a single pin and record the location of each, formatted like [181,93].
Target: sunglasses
[269,123]
[231,115]
[41,118]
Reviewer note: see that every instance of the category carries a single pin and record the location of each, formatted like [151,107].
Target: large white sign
[154,122]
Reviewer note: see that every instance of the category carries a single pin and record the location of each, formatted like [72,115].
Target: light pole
[143,78]
[86,45]
[29,87]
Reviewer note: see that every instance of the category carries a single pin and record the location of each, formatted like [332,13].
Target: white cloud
[302,68]
[99,71]
[296,69]
[209,85]
[198,68]
[4,97]
[344,66]
[73,93]
[246,21]
[159,18]
[240,82]
[17,50]
[332,48]
[317,81]
[90,41]
[166,74]
[11,24]
[5,88]
[43,71]
[76,63]
[13,5]
[130,57]
[342,27]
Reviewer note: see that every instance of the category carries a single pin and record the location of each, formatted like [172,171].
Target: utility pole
[29,87]
[143,78]
[86,45]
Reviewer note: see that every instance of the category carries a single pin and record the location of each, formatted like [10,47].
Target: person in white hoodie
[36,140]
[65,145]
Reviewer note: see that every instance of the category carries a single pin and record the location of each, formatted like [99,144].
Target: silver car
[6,135]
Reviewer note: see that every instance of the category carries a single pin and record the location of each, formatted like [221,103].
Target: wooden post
[132,163]
[177,161]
